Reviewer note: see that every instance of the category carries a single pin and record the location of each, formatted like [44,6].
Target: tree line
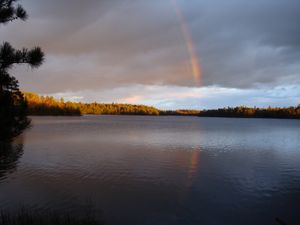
[247,112]
[40,105]
[45,105]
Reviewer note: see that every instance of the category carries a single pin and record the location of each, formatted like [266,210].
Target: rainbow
[194,59]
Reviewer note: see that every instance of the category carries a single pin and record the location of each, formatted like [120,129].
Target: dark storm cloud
[243,43]
[97,44]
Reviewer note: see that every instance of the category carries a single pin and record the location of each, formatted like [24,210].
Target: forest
[247,112]
[45,105]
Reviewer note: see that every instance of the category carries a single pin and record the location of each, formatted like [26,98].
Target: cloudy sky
[135,51]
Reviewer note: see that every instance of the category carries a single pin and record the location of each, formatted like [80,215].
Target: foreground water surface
[157,170]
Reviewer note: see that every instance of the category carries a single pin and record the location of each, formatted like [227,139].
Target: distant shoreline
[277,118]
[48,106]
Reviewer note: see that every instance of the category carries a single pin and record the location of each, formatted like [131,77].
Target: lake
[157,170]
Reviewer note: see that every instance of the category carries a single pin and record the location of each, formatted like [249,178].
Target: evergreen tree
[13,106]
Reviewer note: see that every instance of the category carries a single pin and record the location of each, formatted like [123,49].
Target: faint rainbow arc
[195,61]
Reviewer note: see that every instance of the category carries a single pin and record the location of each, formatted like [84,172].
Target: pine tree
[13,106]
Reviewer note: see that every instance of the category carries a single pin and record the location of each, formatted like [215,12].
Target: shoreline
[225,117]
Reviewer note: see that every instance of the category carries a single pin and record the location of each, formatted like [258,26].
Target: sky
[148,52]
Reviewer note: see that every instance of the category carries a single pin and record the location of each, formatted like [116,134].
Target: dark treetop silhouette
[13,110]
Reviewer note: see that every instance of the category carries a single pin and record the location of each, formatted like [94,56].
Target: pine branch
[9,12]
[10,56]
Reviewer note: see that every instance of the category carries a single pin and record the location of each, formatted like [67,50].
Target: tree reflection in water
[10,153]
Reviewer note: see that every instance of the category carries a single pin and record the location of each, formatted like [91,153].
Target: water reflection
[193,167]
[10,153]
[160,170]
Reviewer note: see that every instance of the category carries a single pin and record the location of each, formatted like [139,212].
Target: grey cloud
[110,43]
[250,42]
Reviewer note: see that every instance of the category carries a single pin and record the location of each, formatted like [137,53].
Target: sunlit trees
[13,111]
[45,105]
[39,105]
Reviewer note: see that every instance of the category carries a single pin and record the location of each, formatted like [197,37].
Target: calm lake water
[157,170]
